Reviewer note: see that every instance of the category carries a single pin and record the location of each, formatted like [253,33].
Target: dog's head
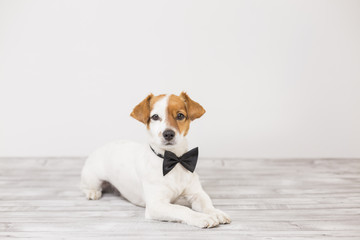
[167,118]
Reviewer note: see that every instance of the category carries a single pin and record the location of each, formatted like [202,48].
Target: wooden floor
[267,199]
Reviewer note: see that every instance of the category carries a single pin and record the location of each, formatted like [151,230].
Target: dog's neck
[179,150]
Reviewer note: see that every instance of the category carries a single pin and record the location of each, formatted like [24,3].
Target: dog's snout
[168,134]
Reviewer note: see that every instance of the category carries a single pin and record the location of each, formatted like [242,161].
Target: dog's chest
[178,179]
[173,184]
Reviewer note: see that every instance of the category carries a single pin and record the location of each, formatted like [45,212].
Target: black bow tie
[188,160]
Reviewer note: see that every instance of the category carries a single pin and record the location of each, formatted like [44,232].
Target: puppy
[139,171]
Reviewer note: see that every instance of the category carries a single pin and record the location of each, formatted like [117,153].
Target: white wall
[277,78]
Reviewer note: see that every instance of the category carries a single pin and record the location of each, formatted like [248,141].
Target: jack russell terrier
[159,174]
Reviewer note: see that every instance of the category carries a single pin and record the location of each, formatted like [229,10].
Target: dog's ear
[194,109]
[141,111]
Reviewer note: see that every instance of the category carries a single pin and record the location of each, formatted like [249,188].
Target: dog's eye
[180,116]
[155,117]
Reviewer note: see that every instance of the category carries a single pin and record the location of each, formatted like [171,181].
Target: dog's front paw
[203,221]
[222,217]
[92,194]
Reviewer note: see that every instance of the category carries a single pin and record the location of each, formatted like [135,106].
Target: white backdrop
[277,78]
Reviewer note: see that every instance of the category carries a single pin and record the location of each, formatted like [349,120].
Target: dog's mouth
[168,143]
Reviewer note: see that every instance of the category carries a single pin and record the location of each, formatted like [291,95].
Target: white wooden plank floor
[267,199]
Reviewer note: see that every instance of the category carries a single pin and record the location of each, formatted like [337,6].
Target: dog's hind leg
[90,184]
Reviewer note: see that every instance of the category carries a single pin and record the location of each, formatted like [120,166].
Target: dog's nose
[168,134]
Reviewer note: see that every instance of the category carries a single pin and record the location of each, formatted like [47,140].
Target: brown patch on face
[175,106]
[142,111]
[183,105]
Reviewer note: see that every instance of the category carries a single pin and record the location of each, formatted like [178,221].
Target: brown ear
[194,109]
[141,111]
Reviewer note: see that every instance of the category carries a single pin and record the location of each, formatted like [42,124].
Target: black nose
[168,134]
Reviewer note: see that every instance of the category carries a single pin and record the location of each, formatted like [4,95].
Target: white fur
[137,173]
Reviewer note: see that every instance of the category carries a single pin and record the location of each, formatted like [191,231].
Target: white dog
[138,171]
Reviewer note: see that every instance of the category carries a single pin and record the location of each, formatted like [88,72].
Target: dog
[137,170]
